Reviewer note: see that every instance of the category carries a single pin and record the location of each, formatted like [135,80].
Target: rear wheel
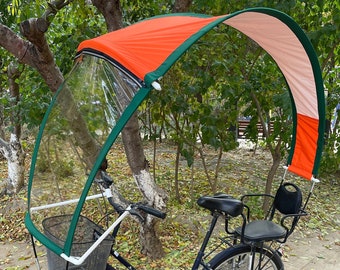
[238,257]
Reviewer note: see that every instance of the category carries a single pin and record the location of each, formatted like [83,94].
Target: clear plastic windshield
[80,119]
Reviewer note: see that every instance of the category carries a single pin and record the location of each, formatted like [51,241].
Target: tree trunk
[14,74]
[112,12]
[275,152]
[276,155]
[12,151]
[151,246]
[176,184]
[150,243]
[15,163]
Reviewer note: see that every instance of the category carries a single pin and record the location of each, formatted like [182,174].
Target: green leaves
[13,8]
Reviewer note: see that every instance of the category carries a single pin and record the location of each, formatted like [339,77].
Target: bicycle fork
[200,254]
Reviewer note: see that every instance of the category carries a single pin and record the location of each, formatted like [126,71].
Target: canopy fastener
[156,85]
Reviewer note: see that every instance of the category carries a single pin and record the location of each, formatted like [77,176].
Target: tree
[34,52]
[37,53]
[270,106]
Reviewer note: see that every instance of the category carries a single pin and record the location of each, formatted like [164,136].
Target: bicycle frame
[113,230]
[199,261]
[200,255]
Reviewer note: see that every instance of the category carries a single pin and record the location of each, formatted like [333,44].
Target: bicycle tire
[109,267]
[237,258]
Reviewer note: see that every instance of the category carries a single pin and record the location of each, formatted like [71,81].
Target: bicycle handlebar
[150,210]
[137,206]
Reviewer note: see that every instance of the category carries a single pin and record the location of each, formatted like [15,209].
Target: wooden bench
[243,124]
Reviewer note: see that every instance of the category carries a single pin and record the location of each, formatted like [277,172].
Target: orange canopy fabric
[143,47]
[149,48]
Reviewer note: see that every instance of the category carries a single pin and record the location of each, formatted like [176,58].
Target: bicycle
[247,247]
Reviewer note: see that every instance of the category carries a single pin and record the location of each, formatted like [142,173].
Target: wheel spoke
[239,259]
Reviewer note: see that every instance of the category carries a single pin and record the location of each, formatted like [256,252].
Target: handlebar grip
[152,211]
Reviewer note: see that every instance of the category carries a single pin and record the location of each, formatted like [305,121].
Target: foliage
[209,89]
[330,162]
[219,7]
[72,24]
[134,11]
[193,107]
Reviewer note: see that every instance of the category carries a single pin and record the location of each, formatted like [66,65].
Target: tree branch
[181,6]
[34,30]
[53,8]
[112,13]
[14,73]
[39,52]
[15,45]
[35,53]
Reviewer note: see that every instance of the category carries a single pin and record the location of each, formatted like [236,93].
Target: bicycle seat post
[200,253]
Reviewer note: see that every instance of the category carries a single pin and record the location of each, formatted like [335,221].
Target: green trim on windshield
[126,115]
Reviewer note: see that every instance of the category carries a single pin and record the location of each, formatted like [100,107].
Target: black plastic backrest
[288,199]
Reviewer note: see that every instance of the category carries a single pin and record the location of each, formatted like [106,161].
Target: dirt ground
[310,252]
[304,250]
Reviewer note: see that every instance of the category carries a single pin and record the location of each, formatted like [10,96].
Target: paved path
[310,252]
[313,252]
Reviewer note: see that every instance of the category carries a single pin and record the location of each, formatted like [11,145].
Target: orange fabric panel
[144,46]
[300,172]
[305,146]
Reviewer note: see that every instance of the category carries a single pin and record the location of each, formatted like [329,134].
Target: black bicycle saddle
[222,203]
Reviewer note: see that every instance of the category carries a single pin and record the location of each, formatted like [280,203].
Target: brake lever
[136,213]
[107,180]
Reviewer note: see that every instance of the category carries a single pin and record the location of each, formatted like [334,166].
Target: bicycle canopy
[115,72]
